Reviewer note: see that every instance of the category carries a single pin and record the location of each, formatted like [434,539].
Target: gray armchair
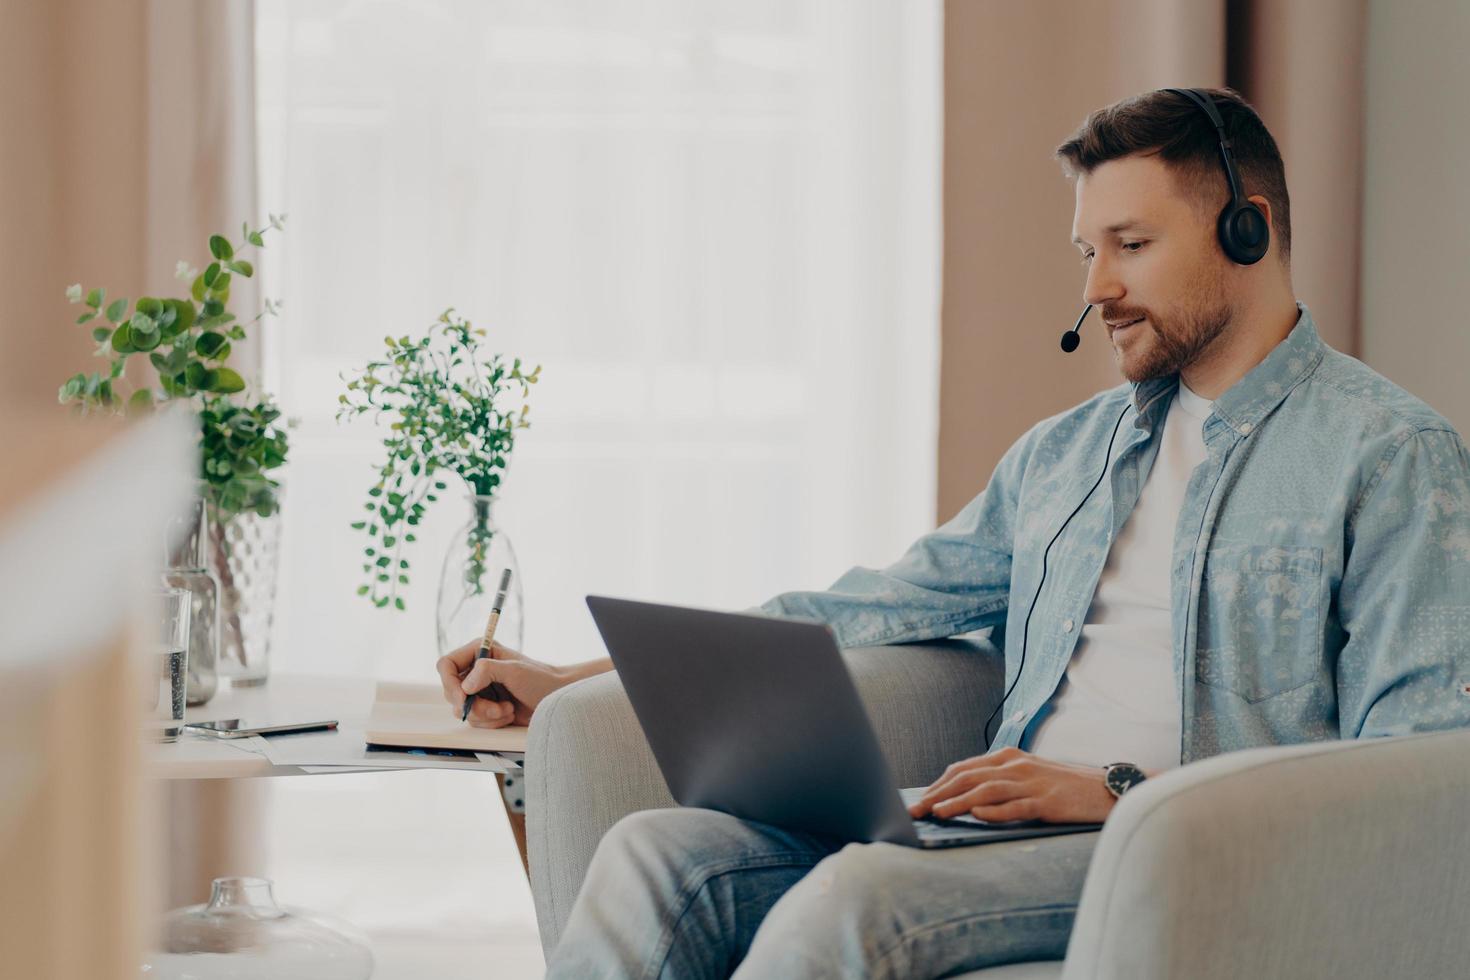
[1348,860]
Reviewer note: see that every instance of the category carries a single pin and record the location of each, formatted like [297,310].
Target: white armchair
[1342,860]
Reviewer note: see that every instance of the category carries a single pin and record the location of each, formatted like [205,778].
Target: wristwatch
[1120,777]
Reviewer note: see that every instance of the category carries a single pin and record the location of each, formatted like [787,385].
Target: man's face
[1150,254]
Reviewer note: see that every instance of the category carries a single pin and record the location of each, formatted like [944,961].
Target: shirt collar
[1255,396]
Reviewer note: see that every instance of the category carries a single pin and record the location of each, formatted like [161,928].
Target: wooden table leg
[517,818]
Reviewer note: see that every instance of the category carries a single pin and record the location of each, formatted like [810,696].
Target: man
[1255,541]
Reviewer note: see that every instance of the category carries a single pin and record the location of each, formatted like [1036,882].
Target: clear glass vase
[469,576]
[242,934]
[186,566]
[245,554]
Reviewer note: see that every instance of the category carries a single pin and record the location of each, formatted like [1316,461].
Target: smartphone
[240,728]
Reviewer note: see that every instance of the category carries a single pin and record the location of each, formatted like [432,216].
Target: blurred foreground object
[82,508]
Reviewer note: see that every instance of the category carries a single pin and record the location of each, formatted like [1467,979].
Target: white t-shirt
[1118,701]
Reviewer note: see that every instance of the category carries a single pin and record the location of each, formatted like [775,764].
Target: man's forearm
[576,672]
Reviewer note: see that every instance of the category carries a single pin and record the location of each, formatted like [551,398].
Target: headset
[1244,236]
[1243,230]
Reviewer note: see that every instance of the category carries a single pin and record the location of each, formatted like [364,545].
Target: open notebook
[417,716]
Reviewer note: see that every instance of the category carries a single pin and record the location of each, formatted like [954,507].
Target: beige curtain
[1019,77]
[126,139]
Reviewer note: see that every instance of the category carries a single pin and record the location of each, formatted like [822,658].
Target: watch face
[1123,776]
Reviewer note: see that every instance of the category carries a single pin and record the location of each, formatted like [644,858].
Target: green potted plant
[186,343]
[452,412]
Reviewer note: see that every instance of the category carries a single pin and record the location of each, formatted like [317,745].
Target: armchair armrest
[588,764]
[1348,860]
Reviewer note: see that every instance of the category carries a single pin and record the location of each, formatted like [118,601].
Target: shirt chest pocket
[1260,630]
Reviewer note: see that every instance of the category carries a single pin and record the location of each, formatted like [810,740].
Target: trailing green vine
[451,410]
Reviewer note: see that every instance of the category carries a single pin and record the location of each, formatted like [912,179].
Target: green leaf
[362,590]
[94,297]
[211,274]
[359,525]
[100,334]
[194,373]
[398,603]
[197,289]
[122,339]
[141,401]
[221,287]
[225,381]
[209,343]
[149,307]
[85,317]
[242,267]
[255,239]
[184,313]
[220,248]
[116,309]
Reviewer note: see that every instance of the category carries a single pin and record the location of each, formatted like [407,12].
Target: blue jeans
[696,893]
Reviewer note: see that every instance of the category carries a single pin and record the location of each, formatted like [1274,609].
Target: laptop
[759,717]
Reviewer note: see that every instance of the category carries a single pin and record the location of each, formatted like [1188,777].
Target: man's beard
[1178,340]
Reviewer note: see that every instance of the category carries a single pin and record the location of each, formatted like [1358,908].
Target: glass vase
[186,566]
[245,553]
[477,554]
[242,933]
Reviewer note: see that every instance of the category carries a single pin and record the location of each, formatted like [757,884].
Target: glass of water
[168,662]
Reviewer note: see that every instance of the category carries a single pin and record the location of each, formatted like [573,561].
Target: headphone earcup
[1244,233]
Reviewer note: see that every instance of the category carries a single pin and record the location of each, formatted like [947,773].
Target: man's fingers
[990,793]
[1025,808]
[485,671]
[491,714]
[449,677]
[954,784]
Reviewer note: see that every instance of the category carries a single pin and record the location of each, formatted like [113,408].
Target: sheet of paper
[378,760]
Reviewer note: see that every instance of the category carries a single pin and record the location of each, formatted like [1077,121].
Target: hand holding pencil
[508,683]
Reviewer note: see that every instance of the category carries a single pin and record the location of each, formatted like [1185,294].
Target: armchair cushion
[1348,860]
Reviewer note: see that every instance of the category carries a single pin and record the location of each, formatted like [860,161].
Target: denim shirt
[1321,562]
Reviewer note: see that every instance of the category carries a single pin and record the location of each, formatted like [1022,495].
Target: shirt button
[1018,716]
[1245,427]
[1068,625]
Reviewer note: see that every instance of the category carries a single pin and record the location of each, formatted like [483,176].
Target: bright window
[715,225]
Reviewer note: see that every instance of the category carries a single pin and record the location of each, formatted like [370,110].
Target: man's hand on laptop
[527,680]
[1010,784]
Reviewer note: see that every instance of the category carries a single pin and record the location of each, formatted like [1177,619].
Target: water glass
[168,662]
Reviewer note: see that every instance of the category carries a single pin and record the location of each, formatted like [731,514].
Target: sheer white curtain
[716,226]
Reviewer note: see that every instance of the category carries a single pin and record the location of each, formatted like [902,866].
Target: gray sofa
[1343,860]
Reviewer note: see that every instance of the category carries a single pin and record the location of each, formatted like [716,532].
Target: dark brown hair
[1172,126]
